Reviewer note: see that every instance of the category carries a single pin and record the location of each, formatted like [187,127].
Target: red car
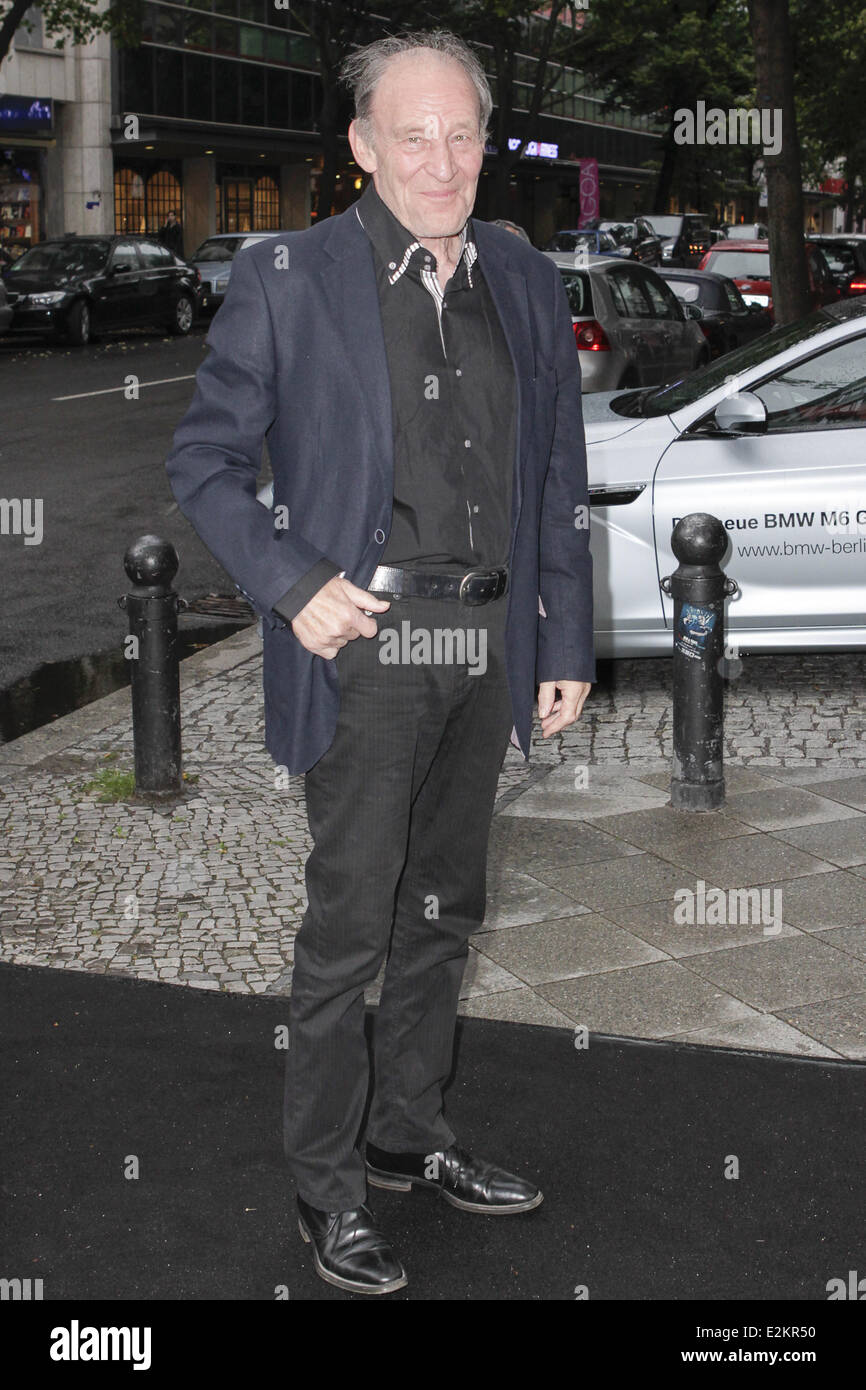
[747,263]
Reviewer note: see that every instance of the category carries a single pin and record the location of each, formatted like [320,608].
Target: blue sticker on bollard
[694,627]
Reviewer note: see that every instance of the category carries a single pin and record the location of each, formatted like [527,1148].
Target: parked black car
[845,254]
[76,286]
[635,239]
[726,321]
[686,237]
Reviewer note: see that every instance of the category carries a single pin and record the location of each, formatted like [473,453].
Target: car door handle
[615,494]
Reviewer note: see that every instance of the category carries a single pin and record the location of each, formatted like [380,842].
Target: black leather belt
[473,588]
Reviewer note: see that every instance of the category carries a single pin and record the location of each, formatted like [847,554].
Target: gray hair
[363,70]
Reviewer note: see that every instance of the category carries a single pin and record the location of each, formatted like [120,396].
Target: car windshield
[579,293]
[62,258]
[668,399]
[593,241]
[666,226]
[222,250]
[745,264]
[689,291]
[839,258]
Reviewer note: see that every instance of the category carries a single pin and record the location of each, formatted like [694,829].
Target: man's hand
[558,714]
[335,616]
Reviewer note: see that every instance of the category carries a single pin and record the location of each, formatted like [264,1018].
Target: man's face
[425,153]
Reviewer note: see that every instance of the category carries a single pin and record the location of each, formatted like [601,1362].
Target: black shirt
[453,408]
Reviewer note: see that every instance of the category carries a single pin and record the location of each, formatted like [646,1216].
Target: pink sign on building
[589,193]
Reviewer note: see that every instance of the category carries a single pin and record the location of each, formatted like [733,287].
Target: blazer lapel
[349,282]
[509,294]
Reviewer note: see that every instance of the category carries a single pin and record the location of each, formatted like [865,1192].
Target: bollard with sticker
[698,588]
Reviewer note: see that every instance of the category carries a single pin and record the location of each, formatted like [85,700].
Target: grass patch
[112,784]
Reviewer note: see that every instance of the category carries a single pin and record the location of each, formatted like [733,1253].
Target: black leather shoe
[472,1184]
[349,1250]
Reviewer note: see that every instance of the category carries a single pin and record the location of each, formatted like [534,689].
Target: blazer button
[380,536]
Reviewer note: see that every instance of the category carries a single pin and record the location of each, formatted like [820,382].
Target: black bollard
[152,607]
[699,588]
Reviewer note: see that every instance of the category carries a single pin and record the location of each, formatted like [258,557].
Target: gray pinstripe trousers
[399,808]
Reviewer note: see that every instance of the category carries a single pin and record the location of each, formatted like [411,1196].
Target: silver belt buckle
[473,574]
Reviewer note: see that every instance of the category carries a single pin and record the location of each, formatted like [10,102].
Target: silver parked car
[747,231]
[629,326]
[213,261]
[771,439]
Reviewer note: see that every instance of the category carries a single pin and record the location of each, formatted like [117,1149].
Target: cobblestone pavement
[209,891]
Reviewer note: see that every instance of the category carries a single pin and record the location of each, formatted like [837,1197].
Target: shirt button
[458,372]
[475,509]
[380,536]
[392,265]
[467,443]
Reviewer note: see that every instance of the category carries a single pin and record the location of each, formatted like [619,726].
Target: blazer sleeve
[565,635]
[216,454]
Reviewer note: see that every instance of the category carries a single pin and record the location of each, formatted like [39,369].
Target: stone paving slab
[587,869]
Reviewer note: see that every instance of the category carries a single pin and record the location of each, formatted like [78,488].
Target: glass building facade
[231,82]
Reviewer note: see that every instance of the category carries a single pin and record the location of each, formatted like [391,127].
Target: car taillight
[590,336]
[857,287]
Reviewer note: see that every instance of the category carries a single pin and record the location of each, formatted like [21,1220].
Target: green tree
[774,60]
[335,28]
[657,59]
[522,91]
[829,43]
[72,21]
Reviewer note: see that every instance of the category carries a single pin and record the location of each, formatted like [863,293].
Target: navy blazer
[297,357]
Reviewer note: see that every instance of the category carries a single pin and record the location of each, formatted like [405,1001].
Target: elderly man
[425,569]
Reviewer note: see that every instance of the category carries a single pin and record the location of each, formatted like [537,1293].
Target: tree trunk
[771,33]
[665,180]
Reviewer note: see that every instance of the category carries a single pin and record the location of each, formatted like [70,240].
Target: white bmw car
[771,439]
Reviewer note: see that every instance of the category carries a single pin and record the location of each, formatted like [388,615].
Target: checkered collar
[396,246]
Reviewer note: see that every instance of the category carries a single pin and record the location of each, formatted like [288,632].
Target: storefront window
[266,208]
[129,201]
[238,203]
[20,221]
[163,196]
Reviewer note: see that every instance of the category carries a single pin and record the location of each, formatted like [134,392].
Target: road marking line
[110,390]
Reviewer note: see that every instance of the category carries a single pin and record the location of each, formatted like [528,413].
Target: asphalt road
[96,459]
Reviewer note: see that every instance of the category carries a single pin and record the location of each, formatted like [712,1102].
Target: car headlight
[54,297]
[667,250]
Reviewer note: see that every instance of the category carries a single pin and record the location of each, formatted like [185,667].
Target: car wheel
[184,313]
[78,324]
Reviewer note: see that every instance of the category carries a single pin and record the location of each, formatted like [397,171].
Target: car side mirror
[744,413]
[693,311]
